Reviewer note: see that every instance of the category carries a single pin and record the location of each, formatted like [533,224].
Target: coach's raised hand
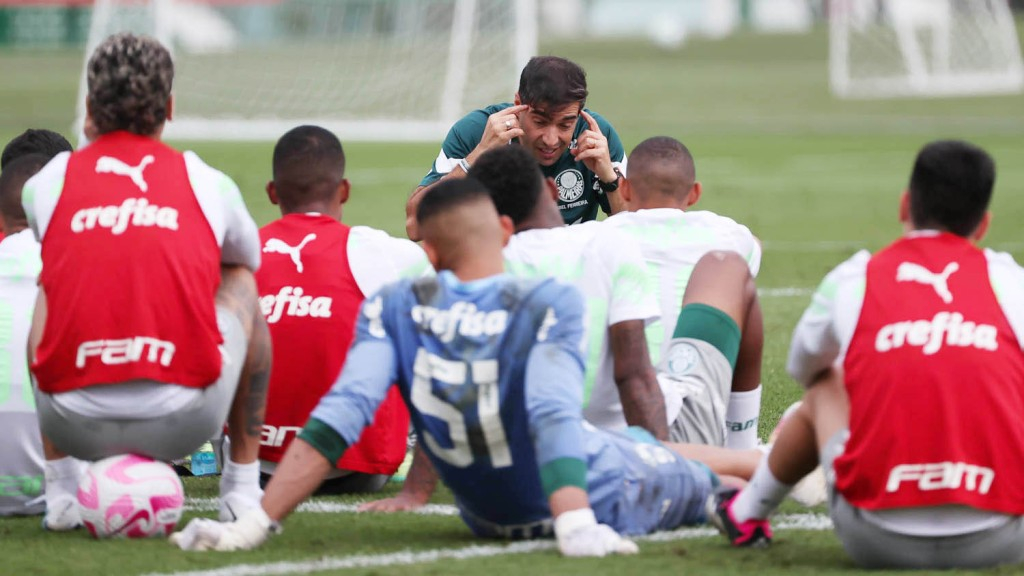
[592,149]
[502,126]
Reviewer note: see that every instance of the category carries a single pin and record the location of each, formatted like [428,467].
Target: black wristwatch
[610,186]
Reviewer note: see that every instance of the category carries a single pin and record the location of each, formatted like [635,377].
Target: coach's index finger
[590,121]
[514,109]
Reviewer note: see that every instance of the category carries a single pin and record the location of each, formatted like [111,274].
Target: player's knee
[725,267]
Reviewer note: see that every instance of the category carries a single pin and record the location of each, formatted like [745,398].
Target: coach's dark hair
[449,194]
[552,82]
[129,79]
[512,177]
[34,141]
[308,166]
[12,180]
[665,151]
[951,186]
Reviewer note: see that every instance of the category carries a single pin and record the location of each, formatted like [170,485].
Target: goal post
[368,70]
[923,48]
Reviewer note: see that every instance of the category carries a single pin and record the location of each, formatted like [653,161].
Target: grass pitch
[815,178]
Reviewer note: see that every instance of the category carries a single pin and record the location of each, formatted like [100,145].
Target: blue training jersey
[492,372]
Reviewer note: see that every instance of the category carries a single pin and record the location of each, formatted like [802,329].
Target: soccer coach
[576,147]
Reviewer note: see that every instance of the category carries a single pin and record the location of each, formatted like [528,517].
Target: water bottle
[204,461]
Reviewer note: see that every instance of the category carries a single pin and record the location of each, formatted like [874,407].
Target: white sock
[741,419]
[761,497]
[244,478]
[62,476]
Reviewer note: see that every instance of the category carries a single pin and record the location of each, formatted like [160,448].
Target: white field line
[785,292]
[316,506]
[407,557]
[851,246]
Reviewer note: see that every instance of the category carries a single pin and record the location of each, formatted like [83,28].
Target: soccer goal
[921,48]
[391,70]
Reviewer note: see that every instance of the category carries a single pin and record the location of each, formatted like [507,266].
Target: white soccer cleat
[62,514]
[812,489]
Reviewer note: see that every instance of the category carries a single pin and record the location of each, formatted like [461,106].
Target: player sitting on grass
[708,346]
[620,386]
[32,141]
[316,272]
[491,369]
[147,304]
[21,450]
[913,363]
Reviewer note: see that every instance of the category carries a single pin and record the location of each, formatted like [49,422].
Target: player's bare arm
[501,128]
[592,149]
[419,486]
[643,403]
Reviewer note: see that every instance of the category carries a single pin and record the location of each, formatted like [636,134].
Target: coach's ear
[272,193]
[344,188]
[508,228]
[516,101]
[694,194]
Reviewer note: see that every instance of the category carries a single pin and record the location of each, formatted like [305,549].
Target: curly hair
[129,80]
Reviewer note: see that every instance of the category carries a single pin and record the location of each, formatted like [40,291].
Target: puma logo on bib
[111,165]
[276,246]
[911,272]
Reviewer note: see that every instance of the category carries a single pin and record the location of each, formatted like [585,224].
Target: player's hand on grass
[592,149]
[246,533]
[403,502]
[502,126]
[579,534]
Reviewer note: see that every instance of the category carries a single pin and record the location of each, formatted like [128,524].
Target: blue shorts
[638,486]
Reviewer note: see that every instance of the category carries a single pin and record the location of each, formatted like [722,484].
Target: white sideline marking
[811,246]
[211,505]
[406,557]
[785,292]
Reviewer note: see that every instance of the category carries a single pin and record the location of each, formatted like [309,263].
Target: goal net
[394,70]
[919,48]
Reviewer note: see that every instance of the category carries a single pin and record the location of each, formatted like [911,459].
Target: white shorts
[165,436]
[697,378]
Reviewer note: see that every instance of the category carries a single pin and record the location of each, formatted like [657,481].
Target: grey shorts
[872,546]
[167,437]
[701,376]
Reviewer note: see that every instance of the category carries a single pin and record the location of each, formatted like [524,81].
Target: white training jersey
[235,232]
[823,335]
[376,259]
[672,241]
[608,269]
[21,453]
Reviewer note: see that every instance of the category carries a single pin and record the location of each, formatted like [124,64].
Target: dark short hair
[13,179]
[951,186]
[308,165]
[550,81]
[34,141]
[512,177]
[668,153]
[449,194]
[129,79]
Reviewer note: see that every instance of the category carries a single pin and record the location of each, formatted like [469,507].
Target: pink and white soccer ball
[130,496]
